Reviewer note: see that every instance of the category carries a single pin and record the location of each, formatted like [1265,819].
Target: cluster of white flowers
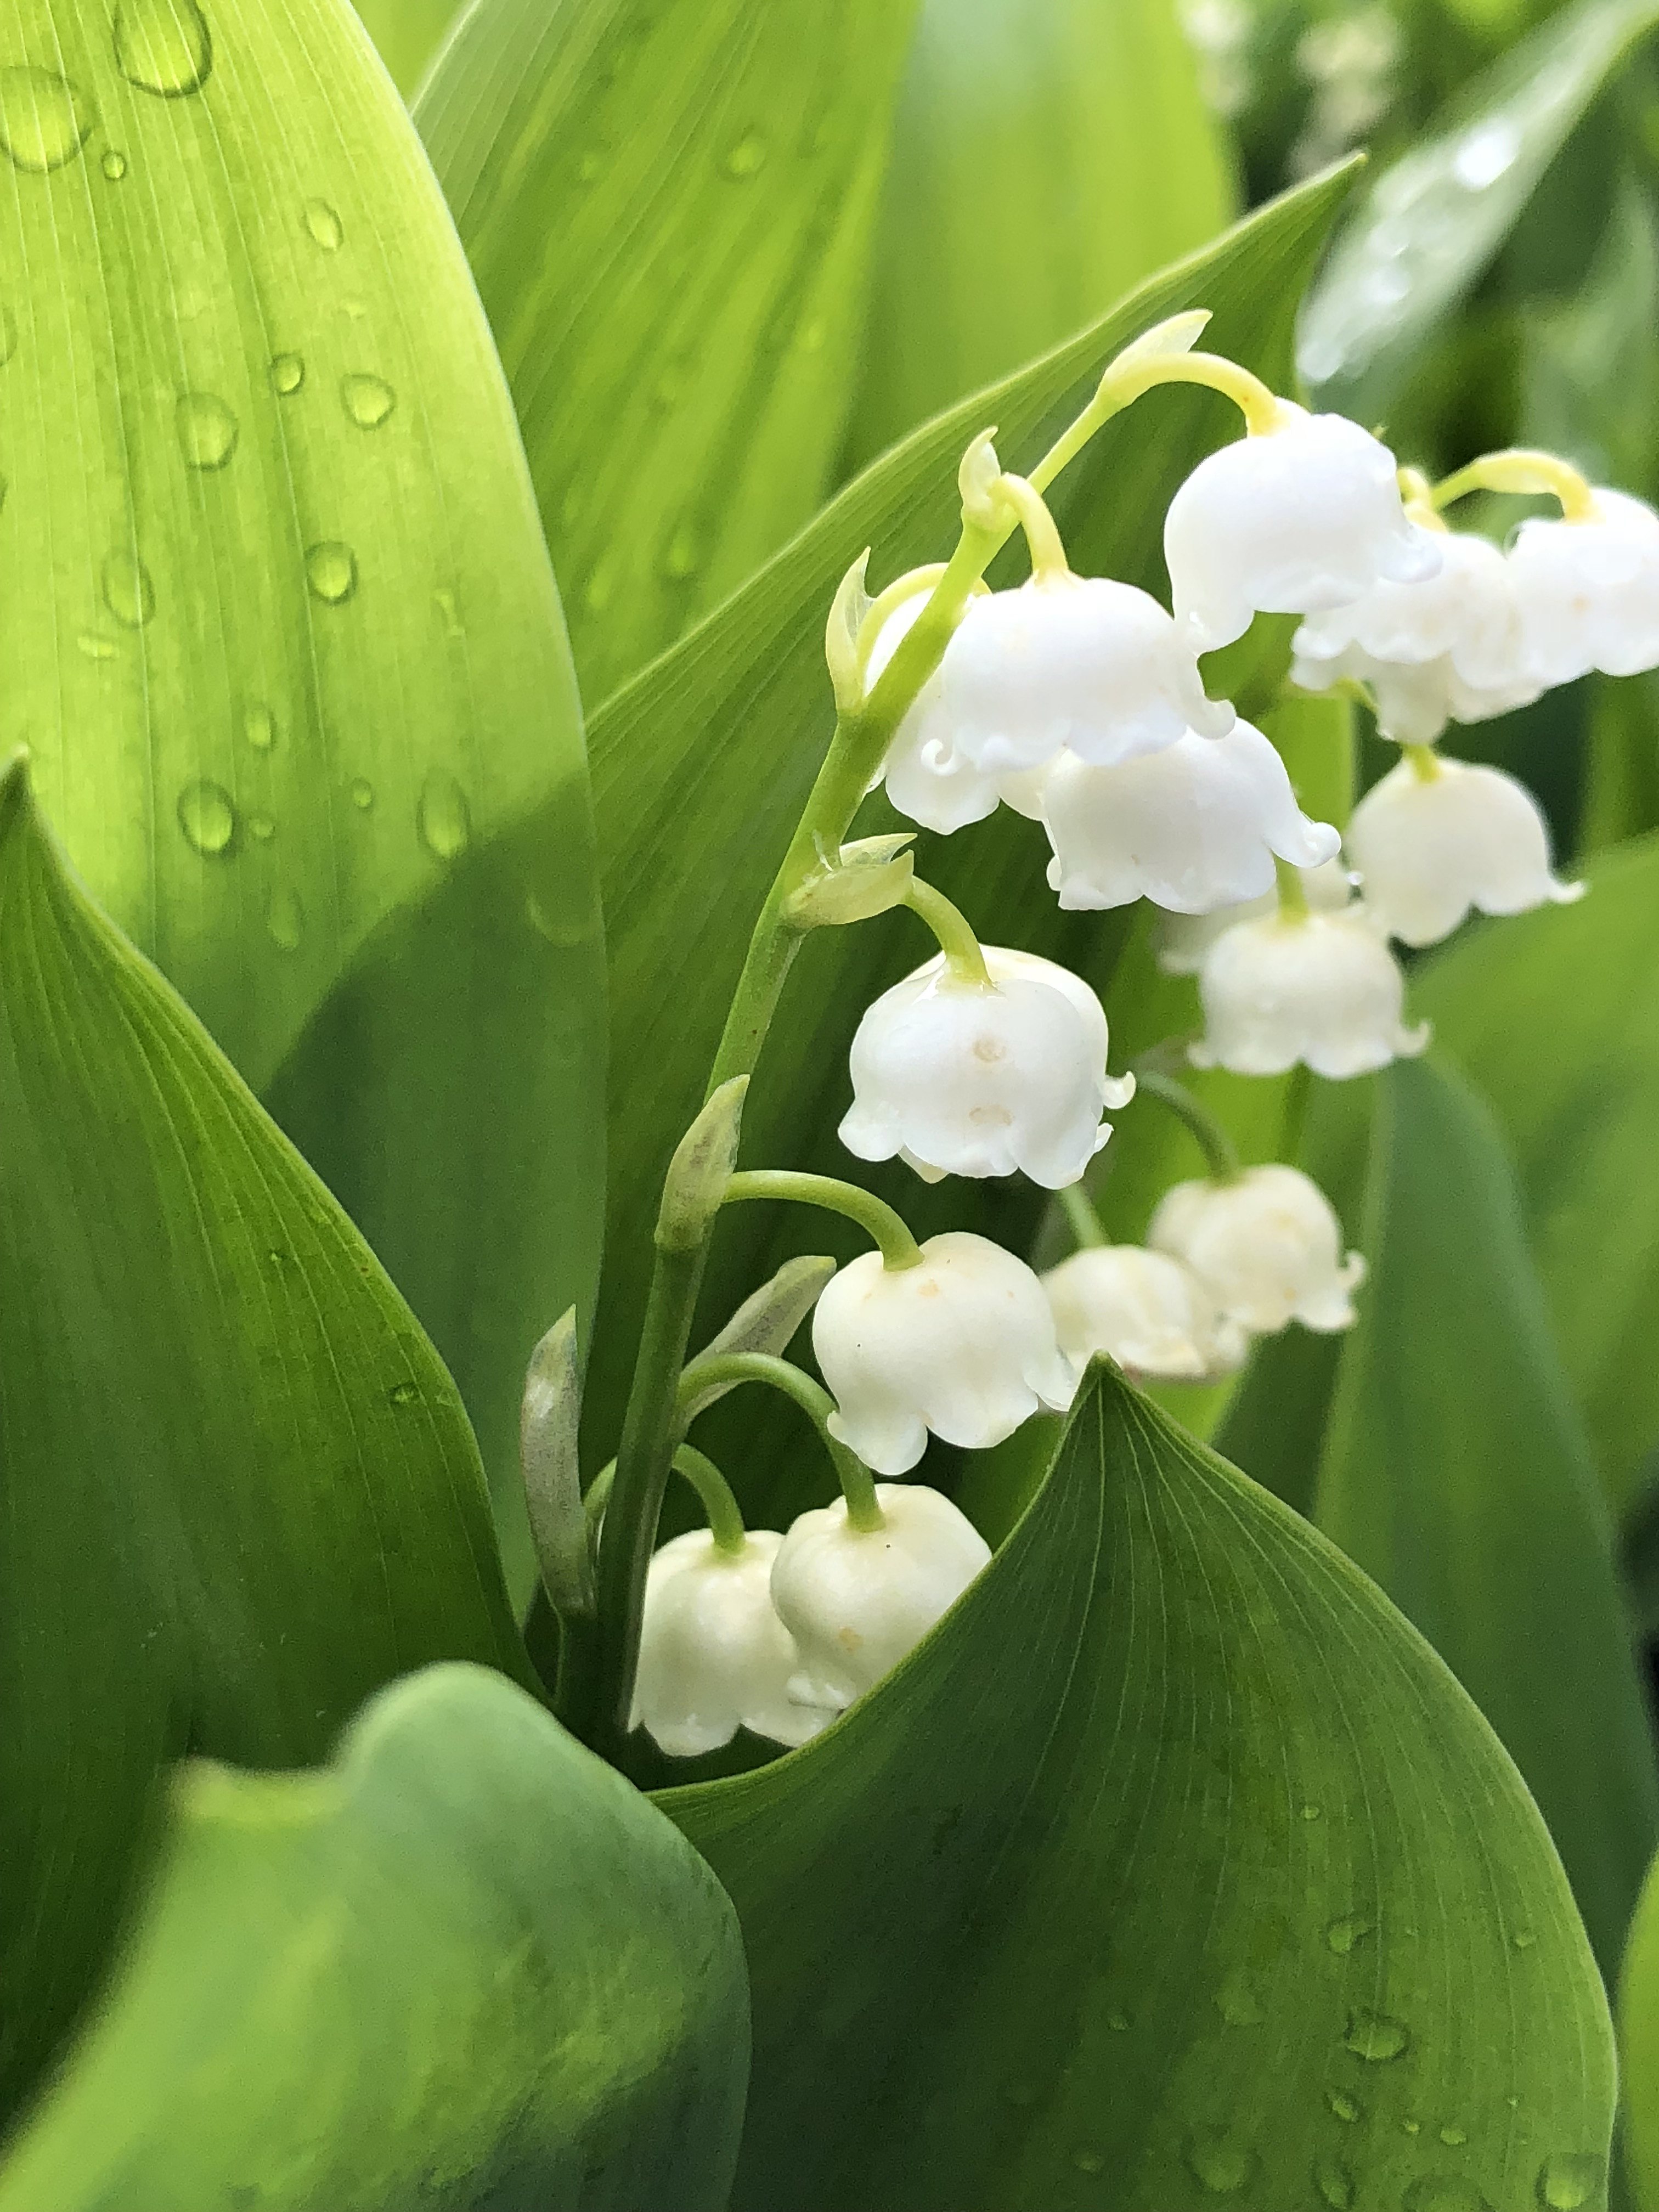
[1079,702]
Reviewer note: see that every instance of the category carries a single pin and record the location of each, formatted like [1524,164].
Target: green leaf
[1464,1485]
[406,35]
[1430,225]
[701,767]
[1173,1864]
[287,647]
[1638,2047]
[240,1491]
[1047,154]
[467,1967]
[1555,1016]
[668,210]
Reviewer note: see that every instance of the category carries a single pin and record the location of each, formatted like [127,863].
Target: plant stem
[1081,1218]
[715,1495]
[1293,895]
[1523,469]
[1424,760]
[953,933]
[1220,1153]
[887,1228]
[1043,538]
[857,1484]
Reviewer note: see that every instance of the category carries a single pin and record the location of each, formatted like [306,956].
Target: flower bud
[958,1079]
[713,1655]
[857,1600]
[1589,591]
[1292,521]
[1429,848]
[1184,938]
[1322,988]
[1194,827]
[1266,1245]
[962,1344]
[1148,1311]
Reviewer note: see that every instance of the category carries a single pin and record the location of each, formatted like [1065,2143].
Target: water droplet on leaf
[262,827]
[1342,2105]
[1342,1934]
[369,400]
[684,556]
[1237,2003]
[331,571]
[128,592]
[114,165]
[444,603]
[1375,2036]
[1334,2183]
[324,225]
[208,817]
[362,794]
[404,1394]
[259,728]
[288,372]
[95,647]
[44,120]
[1568,2181]
[207,430]
[1310,1812]
[285,919]
[163,46]
[1444,2192]
[1454,2138]
[747,157]
[1524,1939]
[1088,2161]
[443,816]
[1118,2022]
[1219,2162]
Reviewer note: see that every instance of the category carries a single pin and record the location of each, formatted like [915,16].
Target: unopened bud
[700,1169]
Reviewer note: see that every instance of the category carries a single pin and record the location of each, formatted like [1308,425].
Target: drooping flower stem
[1292,894]
[953,932]
[885,1228]
[1523,469]
[1220,1153]
[1081,1218]
[715,1495]
[857,1484]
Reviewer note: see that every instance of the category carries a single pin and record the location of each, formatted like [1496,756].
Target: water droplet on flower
[443,816]
[684,556]
[207,430]
[404,1394]
[1454,2138]
[1342,1934]
[324,225]
[207,817]
[128,592]
[262,827]
[1219,2162]
[362,794]
[285,919]
[1375,2036]
[1334,2183]
[95,647]
[369,400]
[44,120]
[163,46]
[1568,2181]
[331,571]
[1444,2192]
[259,728]
[1342,2105]
[114,166]
[747,157]
[288,372]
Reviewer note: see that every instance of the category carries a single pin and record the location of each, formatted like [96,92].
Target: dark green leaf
[668,210]
[240,1491]
[1174,1865]
[1455,1471]
[467,1967]
[1638,2049]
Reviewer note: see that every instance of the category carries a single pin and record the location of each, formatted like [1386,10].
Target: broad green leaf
[701,764]
[1173,1866]
[285,641]
[240,1491]
[1430,225]
[1638,2048]
[668,210]
[1621,796]
[406,35]
[1555,1016]
[1047,154]
[465,1966]
[1457,1473]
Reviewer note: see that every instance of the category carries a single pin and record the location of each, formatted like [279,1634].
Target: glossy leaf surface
[465,1966]
[240,1491]
[1174,1866]
[1638,2049]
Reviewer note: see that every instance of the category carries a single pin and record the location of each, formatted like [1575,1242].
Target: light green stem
[885,1228]
[715,1493]
[1220,1153]
[1293,895]
[954,935]
[1081,1217]
[1043,538]
[857,1484]
[1523,469]
[1425,762]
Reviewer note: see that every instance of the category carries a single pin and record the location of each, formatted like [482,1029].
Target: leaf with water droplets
[331,572]
[163,46]
[207,430]
[367,399]
[207,814]
[45,120]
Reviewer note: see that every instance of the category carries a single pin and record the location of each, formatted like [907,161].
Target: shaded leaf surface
[240,1491]
[1173,1864]
[467,1967]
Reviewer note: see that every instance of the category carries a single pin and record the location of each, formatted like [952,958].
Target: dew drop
[1237,2003]
[404,1394]
[1310,1812]
[1454,2138]
[683,555]
[324,225]
[1334,2183]
[1443,2192]
[1118,2022]
[1524,1939]
[1375,2036]
[114,165]
[287,373]
[207,817]
[1568,2181]
[285,918]
[261,827]
[748,157]
[95,646]
[128,592]
[1342,2105]
[1342,1934]
[362,794]
[44,120]
[163,46]
[331,571]
[1218,2162]
[1088,2161]
[7,335]
[1411,2127]
[259,728]
[444,603]
[443,816]
[369,400]
[207,430]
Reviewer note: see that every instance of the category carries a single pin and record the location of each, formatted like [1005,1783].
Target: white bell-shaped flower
[857,1600]
[1292,520]
[1429,848]
[962,1344]
[1589,591]
[955,1078]
[713,1655]
[1077,661]
[1322,988]
[1192,827]
[1267,1246]
[1184,938]
[926,779]
[1415,699]
[1148,1311]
